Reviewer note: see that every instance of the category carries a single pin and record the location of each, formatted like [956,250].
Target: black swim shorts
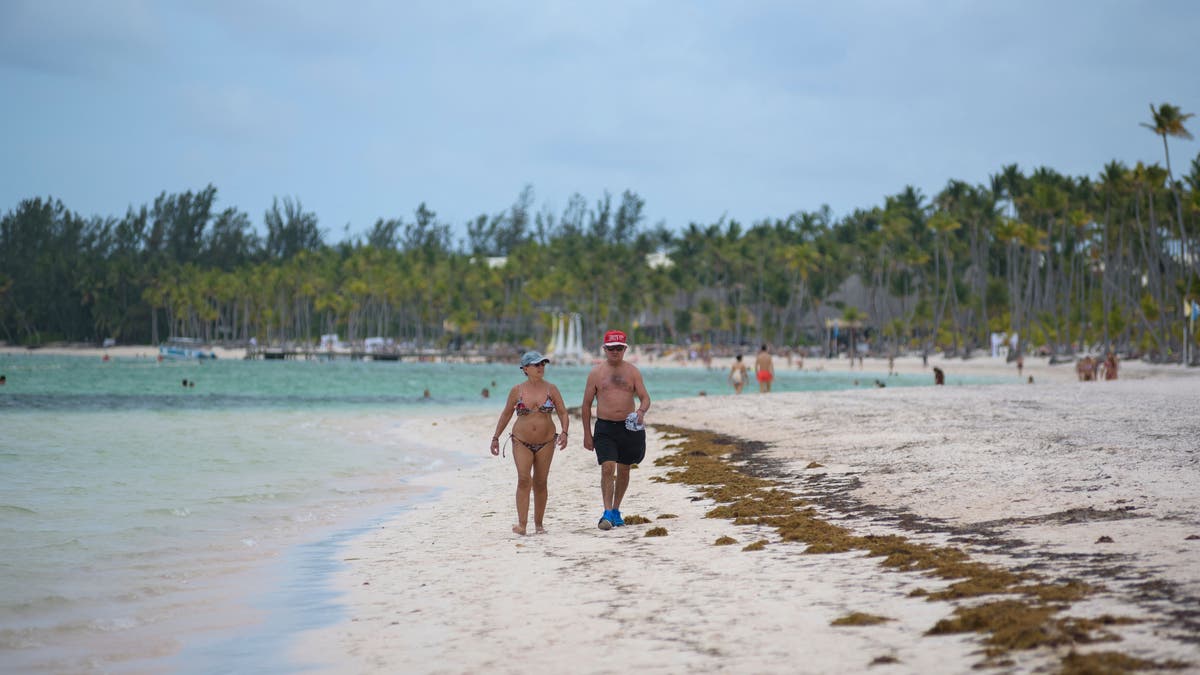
[614,443]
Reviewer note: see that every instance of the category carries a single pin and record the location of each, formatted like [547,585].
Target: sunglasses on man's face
[615,348]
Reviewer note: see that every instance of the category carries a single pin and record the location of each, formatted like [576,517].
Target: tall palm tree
[1168,121]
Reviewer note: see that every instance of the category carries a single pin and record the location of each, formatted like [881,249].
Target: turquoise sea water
[137,514]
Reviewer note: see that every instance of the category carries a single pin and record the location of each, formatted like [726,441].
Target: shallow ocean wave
[21,638]
[253,498]
[180,512]
[112,624]
[61,542]
[41,602]
[10,509]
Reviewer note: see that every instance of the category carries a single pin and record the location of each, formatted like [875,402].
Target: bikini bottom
[534,447]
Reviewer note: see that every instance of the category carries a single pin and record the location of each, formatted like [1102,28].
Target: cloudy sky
[745,109]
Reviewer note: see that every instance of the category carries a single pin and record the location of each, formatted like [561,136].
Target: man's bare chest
[616,382]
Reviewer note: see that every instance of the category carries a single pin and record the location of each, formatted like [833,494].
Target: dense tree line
[1067,262]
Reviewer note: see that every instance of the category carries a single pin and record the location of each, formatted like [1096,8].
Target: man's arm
[585,412]
[639,390]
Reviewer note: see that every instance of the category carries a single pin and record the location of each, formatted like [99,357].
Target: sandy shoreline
[1026,478]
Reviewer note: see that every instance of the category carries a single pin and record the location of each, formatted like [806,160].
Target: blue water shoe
[605,521]
[616,518]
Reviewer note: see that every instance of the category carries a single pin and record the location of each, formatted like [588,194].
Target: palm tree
[1168,121]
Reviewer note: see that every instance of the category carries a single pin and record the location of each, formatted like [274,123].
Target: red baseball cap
[613,338]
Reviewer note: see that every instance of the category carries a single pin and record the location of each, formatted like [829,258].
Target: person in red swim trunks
[764,370]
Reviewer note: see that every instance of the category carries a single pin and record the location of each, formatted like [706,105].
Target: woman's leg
[524,459]
[541,471]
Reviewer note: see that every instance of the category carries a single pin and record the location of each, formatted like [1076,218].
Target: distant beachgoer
[1085,369]
[185,381]
[534,440]
[3,379]
[764,370]
[938,376]
[1110,366]
[485,393]
[891,365]
[1030,379]
[426,394]
[191,383]
[738,375]
[104,358]
[1020,364]
[619,435]
[880,384]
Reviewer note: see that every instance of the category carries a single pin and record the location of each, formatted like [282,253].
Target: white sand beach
[1025,478]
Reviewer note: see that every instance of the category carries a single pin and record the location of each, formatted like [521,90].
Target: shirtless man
[613,384]
[764,370]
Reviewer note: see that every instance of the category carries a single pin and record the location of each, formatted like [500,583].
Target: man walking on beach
[764,370]
[619,436]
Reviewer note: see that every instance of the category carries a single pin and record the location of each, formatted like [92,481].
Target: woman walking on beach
[737,375]
[534,402]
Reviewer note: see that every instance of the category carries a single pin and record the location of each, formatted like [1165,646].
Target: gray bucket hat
[530,358]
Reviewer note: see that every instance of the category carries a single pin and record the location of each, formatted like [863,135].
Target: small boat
[182,349]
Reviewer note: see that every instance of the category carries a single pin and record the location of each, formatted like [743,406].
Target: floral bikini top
[522,410]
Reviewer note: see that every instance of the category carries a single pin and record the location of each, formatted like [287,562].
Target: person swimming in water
[535,402]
